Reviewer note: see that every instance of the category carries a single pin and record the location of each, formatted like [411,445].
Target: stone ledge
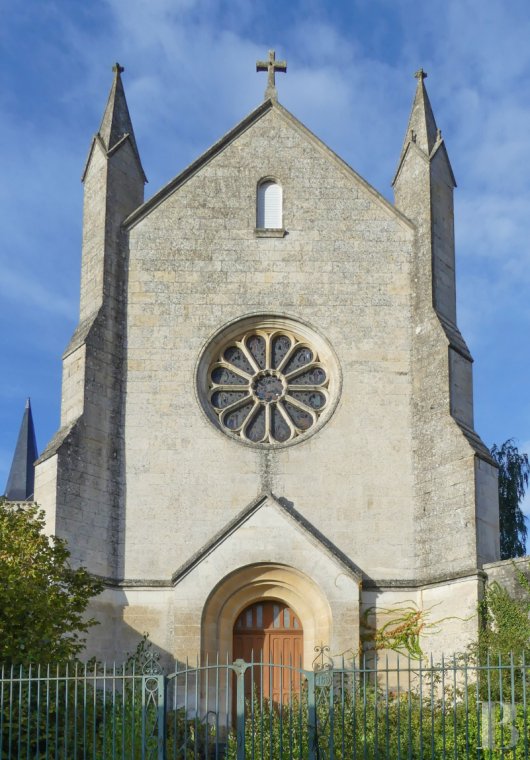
[270,232]
[368,584]
[507,562]
[419,583]
[20,504]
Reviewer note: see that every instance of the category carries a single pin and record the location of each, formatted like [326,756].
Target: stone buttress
[78,477]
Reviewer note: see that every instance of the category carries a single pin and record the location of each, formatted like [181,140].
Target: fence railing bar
[217,708]
[270,677]
[196,718]
[342,708]
[409,705]
[228,685]
[443,709]
[512,700]
[186,674]
[207,698]
[252,705]
[300,717]
[19,721]
[387,724]
[479,717]
[466,704]
[29,712]
[398,713]
[354,708]
[455,714]
[525,723]
[37,723]
[420,697]
[365,697]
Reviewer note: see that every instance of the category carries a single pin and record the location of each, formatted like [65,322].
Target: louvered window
[269,206]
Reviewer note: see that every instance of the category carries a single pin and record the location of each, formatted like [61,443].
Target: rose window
[268,386]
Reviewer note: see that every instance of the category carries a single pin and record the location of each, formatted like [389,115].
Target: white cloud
[21,290]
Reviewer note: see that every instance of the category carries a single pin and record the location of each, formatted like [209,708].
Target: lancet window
[269,205]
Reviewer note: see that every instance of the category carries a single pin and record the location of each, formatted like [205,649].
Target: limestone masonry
[166,477]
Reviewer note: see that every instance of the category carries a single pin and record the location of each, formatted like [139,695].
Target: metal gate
[223,710]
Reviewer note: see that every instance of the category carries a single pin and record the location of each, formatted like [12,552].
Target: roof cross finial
[271,67]
[421,74]
[117,69]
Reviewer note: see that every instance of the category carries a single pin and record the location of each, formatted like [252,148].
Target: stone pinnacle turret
[116,125]
[422,128]
[116,122]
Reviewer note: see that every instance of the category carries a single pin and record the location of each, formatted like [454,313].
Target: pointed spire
[422,128]
[116,122]
[21,478]
[116,125]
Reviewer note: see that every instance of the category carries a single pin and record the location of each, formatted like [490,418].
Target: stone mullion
[302,406]
[307,368]
[235,404]
[268,349]
[292,427]
[267,436]
[253,363]
[287,356]
[248,419]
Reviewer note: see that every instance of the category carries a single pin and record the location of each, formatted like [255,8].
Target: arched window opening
[270,210]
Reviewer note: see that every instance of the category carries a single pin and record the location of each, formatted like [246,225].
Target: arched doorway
[270,632]
[263,583]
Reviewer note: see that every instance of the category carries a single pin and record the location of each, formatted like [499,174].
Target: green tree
[514,471]
[42,599]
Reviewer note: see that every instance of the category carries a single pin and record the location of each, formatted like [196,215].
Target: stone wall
[505,573]
[343,267]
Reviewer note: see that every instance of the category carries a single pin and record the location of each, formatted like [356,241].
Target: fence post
[162,681]
[311,716]
[153,717]
[240,667]
[153,708]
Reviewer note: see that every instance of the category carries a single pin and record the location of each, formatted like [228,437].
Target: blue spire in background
[21,480]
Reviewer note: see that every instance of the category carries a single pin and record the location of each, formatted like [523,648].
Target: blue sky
[190,76]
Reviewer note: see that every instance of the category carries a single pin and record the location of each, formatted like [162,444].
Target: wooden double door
[271,633]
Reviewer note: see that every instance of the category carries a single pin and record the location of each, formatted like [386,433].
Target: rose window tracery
[268,386]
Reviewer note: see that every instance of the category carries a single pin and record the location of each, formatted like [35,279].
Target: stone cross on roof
[421,74]
[271,67]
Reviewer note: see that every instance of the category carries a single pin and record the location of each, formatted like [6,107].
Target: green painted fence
[233,710]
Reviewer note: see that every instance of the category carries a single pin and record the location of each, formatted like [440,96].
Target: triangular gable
[313,535]
[232,135]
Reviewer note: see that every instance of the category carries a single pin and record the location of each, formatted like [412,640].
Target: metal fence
[261,709]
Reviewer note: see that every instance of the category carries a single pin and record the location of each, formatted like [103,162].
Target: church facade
[267,403]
